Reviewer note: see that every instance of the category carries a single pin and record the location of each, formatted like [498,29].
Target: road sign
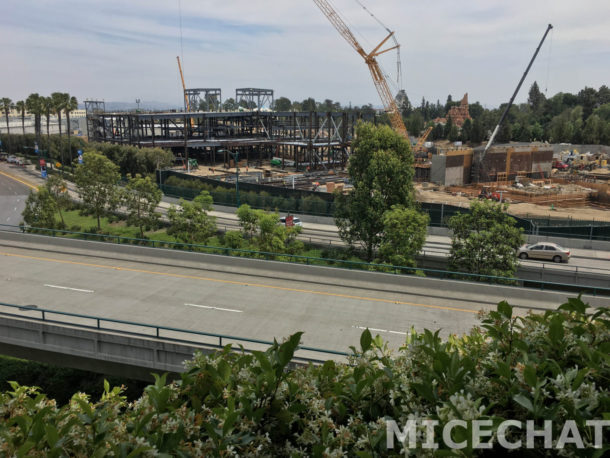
[36,148]
[80,156]
[290,221]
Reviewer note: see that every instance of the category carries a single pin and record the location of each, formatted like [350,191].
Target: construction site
[309,151]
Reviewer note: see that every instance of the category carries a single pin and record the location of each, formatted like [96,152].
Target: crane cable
[180,21]
[398,62]
[548,65]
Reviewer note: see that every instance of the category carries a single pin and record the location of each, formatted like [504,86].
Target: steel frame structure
[211,96]
[311,140]
[93,107]
[254,98]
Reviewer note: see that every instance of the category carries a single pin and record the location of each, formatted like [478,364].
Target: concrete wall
[454,176]
[437,169]
[98,351]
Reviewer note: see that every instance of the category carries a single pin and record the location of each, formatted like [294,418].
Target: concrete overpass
[184,293]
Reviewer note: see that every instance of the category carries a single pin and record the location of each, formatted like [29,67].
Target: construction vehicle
[476,170]
[419,146]
[379,79]
[490,194]
[559,165]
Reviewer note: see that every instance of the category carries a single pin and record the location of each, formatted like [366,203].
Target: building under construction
[306,139]
[453,165]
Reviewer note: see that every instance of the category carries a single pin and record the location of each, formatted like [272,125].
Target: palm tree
[47,106]
[58,101]
[35,106]
[71,105]
[6,105]
[20,105]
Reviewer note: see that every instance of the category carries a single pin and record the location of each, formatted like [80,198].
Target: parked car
[544,250]
[295,221]
[3,156]
[12,159]
[560,165]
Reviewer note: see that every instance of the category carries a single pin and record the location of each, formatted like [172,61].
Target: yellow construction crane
[186,99]
[378,78]
[421,140]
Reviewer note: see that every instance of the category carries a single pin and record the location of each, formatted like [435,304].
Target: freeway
[13,194]
[582,260]
[229,296]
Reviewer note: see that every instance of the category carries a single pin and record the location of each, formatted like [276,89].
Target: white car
[295,221]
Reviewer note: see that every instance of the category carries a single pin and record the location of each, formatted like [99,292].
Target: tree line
[563,118]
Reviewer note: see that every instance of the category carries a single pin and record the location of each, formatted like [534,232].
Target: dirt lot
[524,210]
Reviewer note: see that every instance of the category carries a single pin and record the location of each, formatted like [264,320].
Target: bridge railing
[152,331]
[327,262]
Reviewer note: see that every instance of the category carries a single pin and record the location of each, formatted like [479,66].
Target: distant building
[458,114]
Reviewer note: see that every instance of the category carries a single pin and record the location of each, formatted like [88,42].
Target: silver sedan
[544,250]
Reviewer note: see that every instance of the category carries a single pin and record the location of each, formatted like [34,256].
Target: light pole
[236,157]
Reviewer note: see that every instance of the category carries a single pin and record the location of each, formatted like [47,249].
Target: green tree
[478,131]
[282,104]
[248,219]
[229,105]
[309,104]
[40,208]
[415,123]
[404,235]
[587,97]
[20,106]
[485,240]
[277,238]
[536,99]
[466,132]
[56,186]
[593,130]
[141,198]
[70,105]
[403,104]
[34,105]
[603,111]
[59,102]
[190,222]
[96,181]
[6,105]
[536,132]
[381,170]
[47,108]
[454,133]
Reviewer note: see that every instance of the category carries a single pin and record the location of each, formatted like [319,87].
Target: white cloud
[120,50]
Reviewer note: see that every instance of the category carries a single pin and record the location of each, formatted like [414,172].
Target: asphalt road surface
[198,296]
[13,195]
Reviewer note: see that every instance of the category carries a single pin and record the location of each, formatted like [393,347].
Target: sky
[120,50]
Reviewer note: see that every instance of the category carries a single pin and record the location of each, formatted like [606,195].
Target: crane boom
[379,79]
[186,99]
[510,104]
[420,142]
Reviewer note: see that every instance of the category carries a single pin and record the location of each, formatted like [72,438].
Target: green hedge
[545,366]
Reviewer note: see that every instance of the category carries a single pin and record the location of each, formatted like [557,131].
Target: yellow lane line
[12,177]
[241,283]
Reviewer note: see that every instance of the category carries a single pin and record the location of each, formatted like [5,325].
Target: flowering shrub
[543,366]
